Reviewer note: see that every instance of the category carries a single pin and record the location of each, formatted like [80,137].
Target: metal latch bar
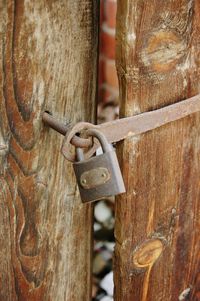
[122,128]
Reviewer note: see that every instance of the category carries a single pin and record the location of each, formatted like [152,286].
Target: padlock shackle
[79,154]
[107,147]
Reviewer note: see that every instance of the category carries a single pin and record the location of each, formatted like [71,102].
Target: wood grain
[157,220]
[48,62]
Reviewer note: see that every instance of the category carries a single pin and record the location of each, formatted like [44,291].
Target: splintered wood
[48,62]
[157,220]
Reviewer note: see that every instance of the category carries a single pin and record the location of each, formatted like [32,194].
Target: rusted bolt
[61,128]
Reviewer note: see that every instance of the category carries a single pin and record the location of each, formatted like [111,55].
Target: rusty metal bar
[122,128]
[61,128]
[130,126]
[53,123]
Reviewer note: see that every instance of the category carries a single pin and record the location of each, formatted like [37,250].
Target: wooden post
[157,220]
[48,62]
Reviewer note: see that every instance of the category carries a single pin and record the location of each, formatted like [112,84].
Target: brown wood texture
[48,62]
[157,220]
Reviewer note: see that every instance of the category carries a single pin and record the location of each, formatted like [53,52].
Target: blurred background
[108,109]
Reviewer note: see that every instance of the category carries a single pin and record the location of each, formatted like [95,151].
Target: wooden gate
[157,220]
[49,62]
[47,49]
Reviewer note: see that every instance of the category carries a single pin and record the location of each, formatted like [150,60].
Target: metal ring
[68,149]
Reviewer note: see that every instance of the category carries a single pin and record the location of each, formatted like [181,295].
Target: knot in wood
[147,253]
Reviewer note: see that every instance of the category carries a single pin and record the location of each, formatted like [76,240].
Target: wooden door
[48,62]
[157,220]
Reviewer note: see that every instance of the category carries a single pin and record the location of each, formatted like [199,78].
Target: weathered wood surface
[157,220]
[48,62]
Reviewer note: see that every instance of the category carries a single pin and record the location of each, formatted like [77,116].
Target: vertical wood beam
[157,220]
[48,61]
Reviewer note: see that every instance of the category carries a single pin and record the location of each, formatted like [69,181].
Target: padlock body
[99,177]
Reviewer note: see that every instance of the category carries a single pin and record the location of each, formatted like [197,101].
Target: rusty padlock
[99,176]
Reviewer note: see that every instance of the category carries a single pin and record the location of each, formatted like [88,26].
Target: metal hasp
[99,176]
[123,128]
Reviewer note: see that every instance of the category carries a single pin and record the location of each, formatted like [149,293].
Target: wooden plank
[48,62]
[157,220]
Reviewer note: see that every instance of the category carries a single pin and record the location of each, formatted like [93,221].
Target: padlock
[99,176]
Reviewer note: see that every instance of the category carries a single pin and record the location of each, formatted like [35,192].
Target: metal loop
[68,149]
[102,139]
